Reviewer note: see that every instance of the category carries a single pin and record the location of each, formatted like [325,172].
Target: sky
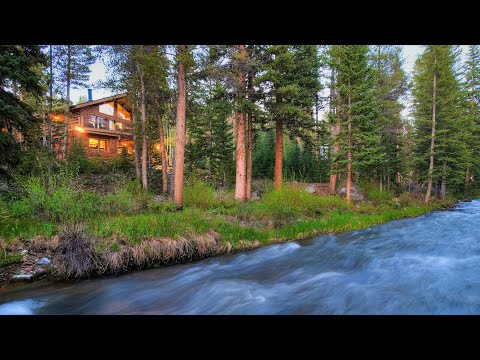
[410,53]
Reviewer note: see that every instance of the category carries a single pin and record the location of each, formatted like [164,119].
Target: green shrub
[199,194]
[77,158]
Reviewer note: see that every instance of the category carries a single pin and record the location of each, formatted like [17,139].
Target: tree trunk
[67,102]
[432,144]
[381,182]
[144,131]
[138,169]
[278,153]
[443,186]
[50,145]
[250,139]
[180,128]
[248,194]
[240,173]
[163,154]
[335,131]
[467,177]
[349,153]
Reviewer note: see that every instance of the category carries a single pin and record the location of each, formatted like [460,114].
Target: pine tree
[358,111]
[441,152]
[72,66]
[290,74]
[471,73]
[390,83]
[18,65]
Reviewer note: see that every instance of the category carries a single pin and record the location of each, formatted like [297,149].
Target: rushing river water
[425,265]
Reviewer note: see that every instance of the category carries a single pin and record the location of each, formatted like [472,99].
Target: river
[425,265]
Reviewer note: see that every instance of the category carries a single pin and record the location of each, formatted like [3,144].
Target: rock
[22,277]
[4,187]
[28,269]
[24,252]
[40,271]
[159,198]
[254,196]
[44,261]
[354,194]
[310,189]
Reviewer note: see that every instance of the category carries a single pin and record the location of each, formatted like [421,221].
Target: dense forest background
[252,112]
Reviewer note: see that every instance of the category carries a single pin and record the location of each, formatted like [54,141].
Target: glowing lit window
[118,126]
[122,113]
[103,145]
[106,108]
[110,124]
[93,144]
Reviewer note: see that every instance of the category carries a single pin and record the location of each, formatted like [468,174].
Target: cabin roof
[121,97]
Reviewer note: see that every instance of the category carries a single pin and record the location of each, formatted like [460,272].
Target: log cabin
[104,126]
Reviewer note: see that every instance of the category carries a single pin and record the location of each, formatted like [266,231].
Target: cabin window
[122,113]
[111,125]
[93,144]
[102,123]
[98,144]
[92,121]
[118,126]
[106,108]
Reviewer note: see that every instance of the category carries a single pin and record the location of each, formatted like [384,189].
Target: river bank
[422,265]
[206,228]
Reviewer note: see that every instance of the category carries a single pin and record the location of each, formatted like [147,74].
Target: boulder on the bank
[254,196]
[22,277]
[355,194]
[310,189]
[44,261]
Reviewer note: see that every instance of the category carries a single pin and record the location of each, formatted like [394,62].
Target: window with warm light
[122,113]
[93,144]
[98,144]
[111,125]
[118,126]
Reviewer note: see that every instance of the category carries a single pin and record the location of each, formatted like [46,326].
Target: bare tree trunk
[381,182]
[467,177]
[335,131]
[248,194]
[67,101]
[443,186]
[50,147]
[163,154]
[144,131]
[278,153]
[250,139]
[138,169]
[180,128]
[349,153]
[240,173]
[432,144]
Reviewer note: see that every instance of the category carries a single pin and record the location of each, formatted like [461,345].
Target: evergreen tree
[441,152]
[290,78]
[391,85]
[358,111]
[19,66]
[72,67]
[471,73]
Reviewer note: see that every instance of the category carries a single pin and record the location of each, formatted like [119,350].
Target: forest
[269,143]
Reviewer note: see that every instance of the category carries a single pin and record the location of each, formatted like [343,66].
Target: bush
[372,192]
[77,159]
[76,255]
[57,201]
[199,194]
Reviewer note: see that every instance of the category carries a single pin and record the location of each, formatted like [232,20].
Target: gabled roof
[99,101]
